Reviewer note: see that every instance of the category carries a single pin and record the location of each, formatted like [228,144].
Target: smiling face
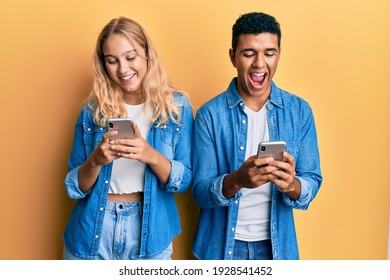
[256,59]
[126,64]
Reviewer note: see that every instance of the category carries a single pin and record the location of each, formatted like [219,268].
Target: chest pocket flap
[171,133]
[93,134]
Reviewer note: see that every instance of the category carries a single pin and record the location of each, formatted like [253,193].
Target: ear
[232,57]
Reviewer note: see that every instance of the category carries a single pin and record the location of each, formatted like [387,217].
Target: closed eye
[111,61]
[248,53]
[270,52]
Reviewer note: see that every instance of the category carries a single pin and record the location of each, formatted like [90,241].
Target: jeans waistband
[123,206]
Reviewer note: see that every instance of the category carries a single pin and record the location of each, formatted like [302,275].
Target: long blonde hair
[106,98]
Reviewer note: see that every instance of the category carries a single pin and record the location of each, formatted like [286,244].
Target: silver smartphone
[273,149]
[124,126]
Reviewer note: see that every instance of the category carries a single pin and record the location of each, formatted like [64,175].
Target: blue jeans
[257,250]
[121,234]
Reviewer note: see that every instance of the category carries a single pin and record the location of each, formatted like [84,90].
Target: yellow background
[335,54]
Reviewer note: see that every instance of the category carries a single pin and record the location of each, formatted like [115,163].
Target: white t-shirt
[253,222]
[128,175]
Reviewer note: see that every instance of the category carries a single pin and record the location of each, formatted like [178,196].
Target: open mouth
[127,78]
[258,79]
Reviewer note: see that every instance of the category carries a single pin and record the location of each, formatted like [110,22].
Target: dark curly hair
[255,23]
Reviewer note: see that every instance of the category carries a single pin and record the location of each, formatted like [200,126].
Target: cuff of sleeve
[175,177]
[72,183]
[218,197]
[304,197]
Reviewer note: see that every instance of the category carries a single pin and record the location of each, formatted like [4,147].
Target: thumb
[137,131]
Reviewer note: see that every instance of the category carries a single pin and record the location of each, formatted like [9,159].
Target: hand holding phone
[273,149]
[124,126]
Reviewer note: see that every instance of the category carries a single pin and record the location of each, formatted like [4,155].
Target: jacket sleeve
[180,177]
[75,160]
[308,170]
[207,186]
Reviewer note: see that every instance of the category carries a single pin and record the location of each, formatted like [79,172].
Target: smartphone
[273,149]
[124,126]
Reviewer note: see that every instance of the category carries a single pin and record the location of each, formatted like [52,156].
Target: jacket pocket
[171,133]
[93,134]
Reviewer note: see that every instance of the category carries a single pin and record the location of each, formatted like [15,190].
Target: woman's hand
[139,149]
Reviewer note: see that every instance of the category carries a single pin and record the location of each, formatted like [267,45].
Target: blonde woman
[124,188]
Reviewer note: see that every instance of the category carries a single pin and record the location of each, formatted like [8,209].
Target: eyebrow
[252,50]
[107,55]
[271,50]
[247,50]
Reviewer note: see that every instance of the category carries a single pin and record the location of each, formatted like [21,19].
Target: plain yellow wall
[335,54]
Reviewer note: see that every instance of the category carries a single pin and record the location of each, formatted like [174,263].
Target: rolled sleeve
[304,198]
[175,177]
[217,195]
[72,183]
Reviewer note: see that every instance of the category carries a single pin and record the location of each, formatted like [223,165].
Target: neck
[134,98]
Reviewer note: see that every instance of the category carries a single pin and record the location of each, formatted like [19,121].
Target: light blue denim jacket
[160,221]
[219,143]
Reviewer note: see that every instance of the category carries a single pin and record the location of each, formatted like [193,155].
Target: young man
[247,202]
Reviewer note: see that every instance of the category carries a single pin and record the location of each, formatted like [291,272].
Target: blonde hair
[106,98]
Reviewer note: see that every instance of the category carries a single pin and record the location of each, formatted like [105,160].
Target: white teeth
[258,74]
[127,77]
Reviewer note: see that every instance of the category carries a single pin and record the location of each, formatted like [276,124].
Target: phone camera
[111,125]
[262,148]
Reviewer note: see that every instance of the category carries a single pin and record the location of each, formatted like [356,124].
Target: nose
[259,61]
[123,67]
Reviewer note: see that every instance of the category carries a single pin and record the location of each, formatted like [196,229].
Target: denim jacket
[160,221]
[220,132]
